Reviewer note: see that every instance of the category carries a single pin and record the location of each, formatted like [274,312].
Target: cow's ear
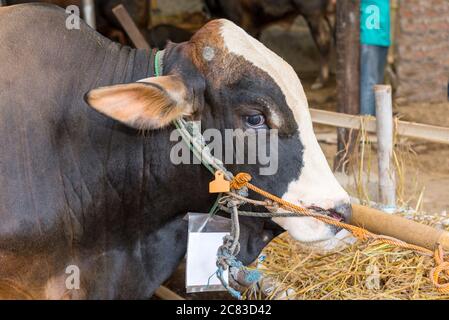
[148,104]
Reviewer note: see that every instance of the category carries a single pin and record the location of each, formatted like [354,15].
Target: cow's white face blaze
[316,184]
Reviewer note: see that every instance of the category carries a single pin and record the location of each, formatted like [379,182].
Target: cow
[255,15]
[87,186]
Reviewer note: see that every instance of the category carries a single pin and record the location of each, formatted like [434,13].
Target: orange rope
[242,180]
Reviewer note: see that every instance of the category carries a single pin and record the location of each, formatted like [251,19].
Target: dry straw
[361,271]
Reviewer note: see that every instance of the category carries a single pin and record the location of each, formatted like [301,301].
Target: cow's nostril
[345,210]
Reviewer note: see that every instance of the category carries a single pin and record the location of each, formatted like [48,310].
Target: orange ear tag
[219,184]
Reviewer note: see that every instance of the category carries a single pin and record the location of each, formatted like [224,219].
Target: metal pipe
[384,121]
[89,12]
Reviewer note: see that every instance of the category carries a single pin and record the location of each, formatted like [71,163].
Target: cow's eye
[256,121]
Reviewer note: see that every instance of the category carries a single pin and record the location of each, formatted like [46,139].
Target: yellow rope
[243,180]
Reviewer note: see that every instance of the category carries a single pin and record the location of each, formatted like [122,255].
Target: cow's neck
[174,189]
[154,189]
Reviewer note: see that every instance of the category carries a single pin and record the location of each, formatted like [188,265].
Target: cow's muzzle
[344,211]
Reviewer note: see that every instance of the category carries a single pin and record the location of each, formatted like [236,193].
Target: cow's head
[227,79]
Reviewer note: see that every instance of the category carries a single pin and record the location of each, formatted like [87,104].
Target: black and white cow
[90,189]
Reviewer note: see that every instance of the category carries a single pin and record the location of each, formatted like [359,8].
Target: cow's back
[45,70]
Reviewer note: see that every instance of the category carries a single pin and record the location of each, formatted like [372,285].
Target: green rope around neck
[157,64]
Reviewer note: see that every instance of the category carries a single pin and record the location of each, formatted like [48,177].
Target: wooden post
[130,27]
[384,125]
[89,13]
[348,72]
[151,5]
[165,293]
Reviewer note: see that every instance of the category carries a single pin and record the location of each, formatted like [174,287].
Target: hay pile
[362,271]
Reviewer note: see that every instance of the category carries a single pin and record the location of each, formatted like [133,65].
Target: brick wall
[422,50]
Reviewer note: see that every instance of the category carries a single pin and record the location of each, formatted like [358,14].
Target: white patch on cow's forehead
[208,53]
[238,42]
[316,184]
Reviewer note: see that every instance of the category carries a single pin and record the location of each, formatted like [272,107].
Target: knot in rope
[441,266]
[240,180]
[226,259]
[360,234]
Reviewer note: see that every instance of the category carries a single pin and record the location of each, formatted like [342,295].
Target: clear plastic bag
[206,234]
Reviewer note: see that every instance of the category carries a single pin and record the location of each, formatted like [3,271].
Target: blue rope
[226,260]
[234,293]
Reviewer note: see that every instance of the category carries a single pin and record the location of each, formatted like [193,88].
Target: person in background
[374,43]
